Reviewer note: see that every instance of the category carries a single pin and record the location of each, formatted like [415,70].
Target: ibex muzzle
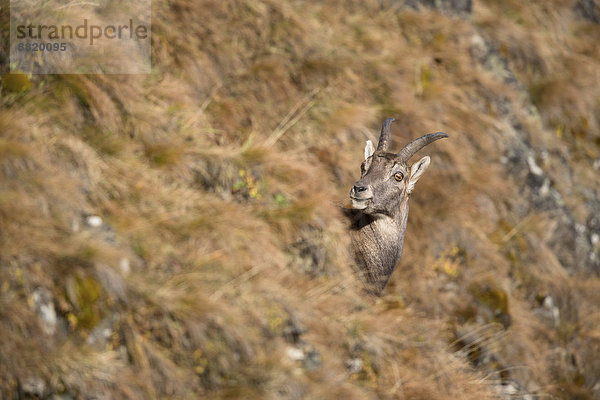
[380,198]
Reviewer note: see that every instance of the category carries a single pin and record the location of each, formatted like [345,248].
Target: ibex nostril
[358,189]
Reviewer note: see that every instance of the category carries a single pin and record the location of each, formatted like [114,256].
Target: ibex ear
[369,149]
[416,171]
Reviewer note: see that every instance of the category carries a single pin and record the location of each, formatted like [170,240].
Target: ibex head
[386,178]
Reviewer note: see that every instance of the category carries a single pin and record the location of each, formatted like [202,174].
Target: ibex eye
[398,176]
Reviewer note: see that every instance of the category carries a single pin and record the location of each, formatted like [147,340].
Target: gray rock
[589,10]
[312,360]
[451,7]
[354,365]
[102,332]
[308,257]
[43,304]
[34,386]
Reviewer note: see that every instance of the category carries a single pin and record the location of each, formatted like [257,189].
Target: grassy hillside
[178,235]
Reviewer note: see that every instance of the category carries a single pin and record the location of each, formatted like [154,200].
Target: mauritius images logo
[103,37]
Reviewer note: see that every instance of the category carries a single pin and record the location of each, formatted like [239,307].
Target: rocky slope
[177,235]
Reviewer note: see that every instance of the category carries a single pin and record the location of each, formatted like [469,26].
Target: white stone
[533,167]
[295,353]
[93,220]
[548,303]
[125,266]
[478,44]
[509,389]
[545,189]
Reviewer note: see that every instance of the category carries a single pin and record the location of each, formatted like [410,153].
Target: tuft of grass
[84,294]
[163,154]
[106,142]
[295,214]
[12,149]
[16,82]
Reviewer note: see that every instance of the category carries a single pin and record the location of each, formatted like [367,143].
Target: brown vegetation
[219,267]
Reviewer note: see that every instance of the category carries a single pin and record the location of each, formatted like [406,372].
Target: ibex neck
[378,242]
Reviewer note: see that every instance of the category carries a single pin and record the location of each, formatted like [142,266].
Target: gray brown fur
[380,206]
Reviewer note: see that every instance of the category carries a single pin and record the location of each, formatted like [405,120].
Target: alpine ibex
[380,205]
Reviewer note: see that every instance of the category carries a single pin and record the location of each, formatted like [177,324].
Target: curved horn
[410,149]
[384,138]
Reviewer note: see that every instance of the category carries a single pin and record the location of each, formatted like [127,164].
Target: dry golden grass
[222,252]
